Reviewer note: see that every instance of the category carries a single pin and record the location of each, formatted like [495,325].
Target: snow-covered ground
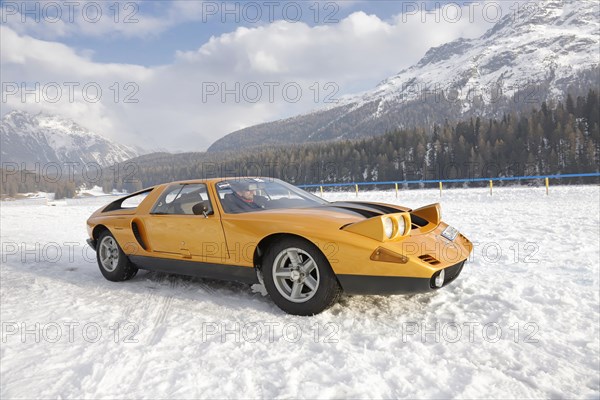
[96,191]
[522,321]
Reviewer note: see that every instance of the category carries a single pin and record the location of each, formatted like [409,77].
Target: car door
[173,228]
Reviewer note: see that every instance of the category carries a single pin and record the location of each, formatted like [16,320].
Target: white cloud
[264,62]
[176,110]
[94,18]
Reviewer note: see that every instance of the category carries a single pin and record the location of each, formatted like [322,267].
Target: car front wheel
[113,262]
[299,278]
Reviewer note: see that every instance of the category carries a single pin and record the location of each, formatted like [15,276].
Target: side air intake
[136,232]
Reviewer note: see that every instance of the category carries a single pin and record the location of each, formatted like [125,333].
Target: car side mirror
[201,209]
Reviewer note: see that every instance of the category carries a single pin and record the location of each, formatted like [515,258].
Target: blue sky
[165,56]
[212,19]
[159,49]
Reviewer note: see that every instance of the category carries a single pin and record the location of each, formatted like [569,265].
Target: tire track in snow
[157,327]
[207,288]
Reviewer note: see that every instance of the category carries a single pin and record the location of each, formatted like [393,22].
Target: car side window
[184,199]
[134,201]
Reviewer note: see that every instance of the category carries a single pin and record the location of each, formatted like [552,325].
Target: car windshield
[256,194]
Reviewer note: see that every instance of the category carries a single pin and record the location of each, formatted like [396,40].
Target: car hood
[341,213]
[364,209]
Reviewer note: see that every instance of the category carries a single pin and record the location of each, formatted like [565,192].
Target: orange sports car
[305,250]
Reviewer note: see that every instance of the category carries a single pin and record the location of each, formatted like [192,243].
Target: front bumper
[92,243]
[390,285]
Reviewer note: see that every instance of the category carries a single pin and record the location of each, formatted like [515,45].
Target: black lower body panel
[195,268]
[383,285]
[92,243]
[390,285]
[453,272]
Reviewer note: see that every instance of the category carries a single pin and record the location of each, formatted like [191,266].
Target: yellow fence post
[491,187]
[321,187]
[356,186]
[440,188]
[396,189]
[547,186]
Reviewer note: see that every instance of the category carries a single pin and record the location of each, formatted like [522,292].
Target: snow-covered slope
[40,138]
[524,59]
[550,46]
[521,321]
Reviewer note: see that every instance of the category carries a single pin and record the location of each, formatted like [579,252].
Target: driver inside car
[244,198]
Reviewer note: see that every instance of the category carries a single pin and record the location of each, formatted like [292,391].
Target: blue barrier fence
[442,181]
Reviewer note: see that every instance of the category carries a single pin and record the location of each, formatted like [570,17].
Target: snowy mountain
[520,62]
[40,138]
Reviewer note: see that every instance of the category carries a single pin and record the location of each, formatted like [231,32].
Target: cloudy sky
[177,75]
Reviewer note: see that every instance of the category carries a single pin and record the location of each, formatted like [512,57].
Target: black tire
[309,301]
[117,269]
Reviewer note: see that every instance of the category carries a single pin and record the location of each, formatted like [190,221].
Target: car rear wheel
[299,278]
[113,262]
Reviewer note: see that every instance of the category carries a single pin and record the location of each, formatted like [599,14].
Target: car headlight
[382,228]
[401,226]
[388,227]
[439,279]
